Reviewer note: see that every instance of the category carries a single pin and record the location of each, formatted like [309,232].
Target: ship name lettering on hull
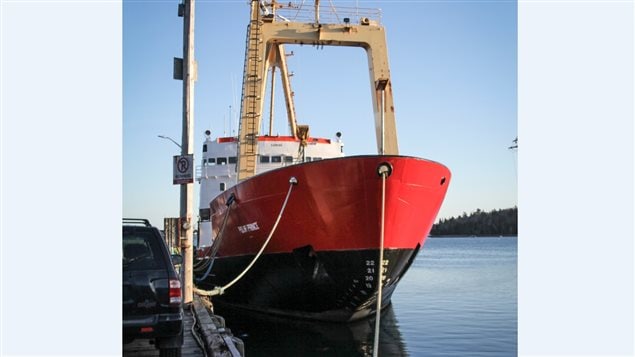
[250,227]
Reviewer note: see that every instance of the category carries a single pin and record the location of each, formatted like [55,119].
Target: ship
[288,224]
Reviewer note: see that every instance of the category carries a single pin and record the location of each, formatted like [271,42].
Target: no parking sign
[183,171]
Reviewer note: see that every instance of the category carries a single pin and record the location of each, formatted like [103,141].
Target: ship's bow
[323,259]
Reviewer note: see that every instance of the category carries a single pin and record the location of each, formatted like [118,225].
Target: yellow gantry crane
[266,36]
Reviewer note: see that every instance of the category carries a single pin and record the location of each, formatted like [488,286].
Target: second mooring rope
[220,290]
[217,241]
[384,170]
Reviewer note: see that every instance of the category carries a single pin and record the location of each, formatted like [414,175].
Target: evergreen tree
[479,223]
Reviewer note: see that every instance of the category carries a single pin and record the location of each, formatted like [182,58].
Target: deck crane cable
[298,12]
[334,11]
[221,290]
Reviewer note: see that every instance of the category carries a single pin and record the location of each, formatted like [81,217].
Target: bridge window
[222,186]
[221,160]
[204,147]
[307,159]
[317,158]
[264,159]
[288,159]
[211,160]
[232,159]
[276,159]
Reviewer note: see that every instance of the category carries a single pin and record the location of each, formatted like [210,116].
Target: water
[459,298]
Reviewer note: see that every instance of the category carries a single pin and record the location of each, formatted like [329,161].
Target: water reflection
[266,335]
[459,298]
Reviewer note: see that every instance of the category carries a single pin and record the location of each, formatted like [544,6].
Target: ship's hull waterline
[322,261]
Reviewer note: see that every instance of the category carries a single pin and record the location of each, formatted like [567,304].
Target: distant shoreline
[479,223]
[473,236]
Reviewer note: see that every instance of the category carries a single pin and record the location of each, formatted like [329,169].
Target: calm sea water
[459,298]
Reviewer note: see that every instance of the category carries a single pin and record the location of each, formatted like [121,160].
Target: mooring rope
[220,290]
[198,265]
[217,241]
[384,170]
[206,264]
[198,339]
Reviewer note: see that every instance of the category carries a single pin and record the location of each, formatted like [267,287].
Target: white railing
[329,14]
[213,170]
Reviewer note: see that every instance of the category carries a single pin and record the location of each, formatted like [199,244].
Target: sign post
[184,164]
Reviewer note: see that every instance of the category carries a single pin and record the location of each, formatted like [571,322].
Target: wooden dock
[215,338]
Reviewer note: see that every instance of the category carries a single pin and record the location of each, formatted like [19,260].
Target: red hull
[321,261]
[335,206]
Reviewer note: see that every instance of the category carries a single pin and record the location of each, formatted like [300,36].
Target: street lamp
[172,140]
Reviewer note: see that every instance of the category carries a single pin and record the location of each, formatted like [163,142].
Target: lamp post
[185,70]
[187,148]
[172,140]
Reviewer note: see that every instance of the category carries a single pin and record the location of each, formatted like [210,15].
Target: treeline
[502,222]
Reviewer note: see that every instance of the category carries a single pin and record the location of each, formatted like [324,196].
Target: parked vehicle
[152,296]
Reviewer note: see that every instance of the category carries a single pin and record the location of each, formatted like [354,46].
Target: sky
[453,69]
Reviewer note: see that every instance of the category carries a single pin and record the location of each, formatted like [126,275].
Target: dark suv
[152,299]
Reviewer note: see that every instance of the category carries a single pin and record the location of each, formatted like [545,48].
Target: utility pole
[186,9]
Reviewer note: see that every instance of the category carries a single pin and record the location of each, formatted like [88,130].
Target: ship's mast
[265,40]
[277,59]
[272,89]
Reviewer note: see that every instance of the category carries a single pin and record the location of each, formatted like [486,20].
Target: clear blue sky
[453,67]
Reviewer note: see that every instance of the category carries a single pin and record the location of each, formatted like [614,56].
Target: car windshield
[141,250]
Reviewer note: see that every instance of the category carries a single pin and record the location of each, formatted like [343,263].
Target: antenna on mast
[515,146]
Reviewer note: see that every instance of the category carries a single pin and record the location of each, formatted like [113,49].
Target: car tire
[170,352]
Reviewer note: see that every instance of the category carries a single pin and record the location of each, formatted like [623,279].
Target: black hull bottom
[336,286]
